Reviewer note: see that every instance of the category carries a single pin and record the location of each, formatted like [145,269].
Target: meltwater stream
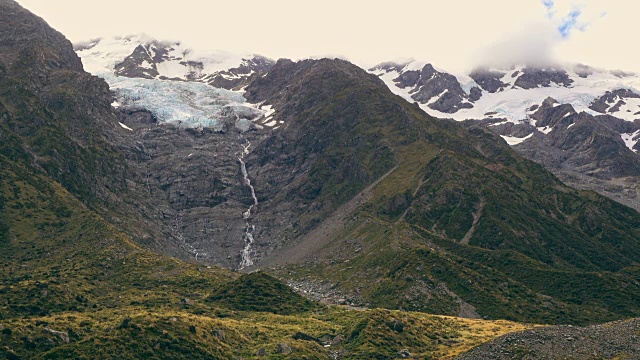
[248,236]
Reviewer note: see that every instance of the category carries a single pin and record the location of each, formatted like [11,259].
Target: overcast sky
[452,34]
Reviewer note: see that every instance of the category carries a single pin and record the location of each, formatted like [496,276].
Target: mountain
[391,207]
[509,93]
[535,110]
[305,172]
[74,284]
[316,173]
[139,56]
[489,94]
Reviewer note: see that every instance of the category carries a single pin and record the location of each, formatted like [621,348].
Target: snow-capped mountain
[177,84]
[139,56]
[513,95]
[510,93]
[582,123]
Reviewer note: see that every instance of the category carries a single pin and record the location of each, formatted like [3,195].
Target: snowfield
[183,103]
[512,104]
[102,55]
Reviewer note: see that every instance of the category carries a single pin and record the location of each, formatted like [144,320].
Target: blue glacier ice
[185,104]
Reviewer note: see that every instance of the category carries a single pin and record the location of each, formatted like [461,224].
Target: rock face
[32,43]
[530,78]
[437,90]
[611,101]
[551,114]
[489,80]
[590,154]
[192,181]
[585,151]
[449,93]
[608,341]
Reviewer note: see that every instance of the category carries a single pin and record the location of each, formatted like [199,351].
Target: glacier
[184,104]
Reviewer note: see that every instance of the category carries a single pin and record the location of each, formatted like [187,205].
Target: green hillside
[73,286]
[412,212]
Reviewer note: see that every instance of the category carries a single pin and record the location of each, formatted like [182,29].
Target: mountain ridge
[509,101]
[431,215]
[74,284]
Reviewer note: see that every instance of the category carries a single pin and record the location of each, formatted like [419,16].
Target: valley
[158,201]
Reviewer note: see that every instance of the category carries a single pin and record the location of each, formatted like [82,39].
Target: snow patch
[268,109]
[125,126]
[512,140]
[500,123]
[545,130]
[629,110]
[435,99]
[271,123]
[630,140]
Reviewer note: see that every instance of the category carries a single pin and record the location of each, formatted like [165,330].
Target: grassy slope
[537,250]
[389,261]
[65,269]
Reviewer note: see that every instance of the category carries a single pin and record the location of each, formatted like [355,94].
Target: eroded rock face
[611,101]
[489,80]
[439,90]
[32,43]
[585,151]
[530,78]
[551,114]
[193,185]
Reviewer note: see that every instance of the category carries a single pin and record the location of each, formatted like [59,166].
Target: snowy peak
[509,93]
[424,84]
[239,76]
[552,113]
[139,56]
[622,103]
[176,84]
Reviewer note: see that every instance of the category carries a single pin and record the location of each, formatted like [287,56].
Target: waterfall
[248,236]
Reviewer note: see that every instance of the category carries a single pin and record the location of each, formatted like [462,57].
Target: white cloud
[451,33]
[534,45]
[609,39]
